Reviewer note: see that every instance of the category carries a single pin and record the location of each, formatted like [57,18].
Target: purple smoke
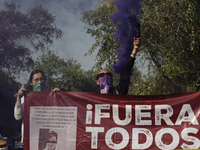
[128,26]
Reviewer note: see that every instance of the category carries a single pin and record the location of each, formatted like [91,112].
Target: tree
[171,39]
[65,74]
[102,29]
[19,30]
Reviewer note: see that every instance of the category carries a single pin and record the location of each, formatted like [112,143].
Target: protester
[104,78]
[37,82]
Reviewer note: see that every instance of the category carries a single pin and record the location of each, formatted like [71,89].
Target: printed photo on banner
[53,128]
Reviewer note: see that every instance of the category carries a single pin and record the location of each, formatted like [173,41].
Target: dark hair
[52,133]
[63,89]
[34,72]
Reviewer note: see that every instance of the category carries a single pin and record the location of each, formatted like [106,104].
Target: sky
[74,42]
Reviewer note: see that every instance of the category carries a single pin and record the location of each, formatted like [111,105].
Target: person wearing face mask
[104,78]
[37,82]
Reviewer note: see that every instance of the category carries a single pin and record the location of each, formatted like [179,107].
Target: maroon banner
[86,121]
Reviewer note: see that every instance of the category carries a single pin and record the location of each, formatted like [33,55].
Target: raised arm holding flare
[104,78]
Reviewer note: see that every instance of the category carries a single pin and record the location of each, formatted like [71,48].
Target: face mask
[39,86]
[105,84]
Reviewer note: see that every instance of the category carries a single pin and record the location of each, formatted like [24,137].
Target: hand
[136,44]
[21,93]
[55,90]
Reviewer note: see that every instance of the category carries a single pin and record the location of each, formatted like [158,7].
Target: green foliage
[102,29]
[65,74]
[171,37]
[150,85]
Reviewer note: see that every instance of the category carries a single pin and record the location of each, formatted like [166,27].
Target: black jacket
[122,87]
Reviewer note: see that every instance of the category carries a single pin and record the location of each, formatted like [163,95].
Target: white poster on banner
[53,127]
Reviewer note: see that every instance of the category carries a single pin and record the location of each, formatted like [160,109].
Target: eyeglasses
[103,74]
[51,141]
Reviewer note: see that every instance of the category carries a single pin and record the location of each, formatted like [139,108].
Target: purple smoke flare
[128,26]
